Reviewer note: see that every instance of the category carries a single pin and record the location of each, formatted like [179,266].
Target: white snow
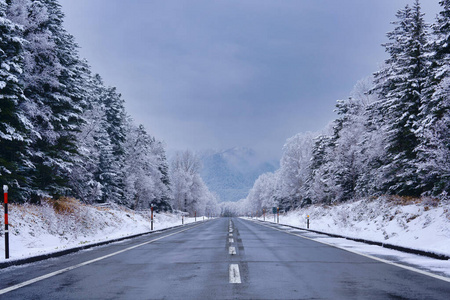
[413,225]
[36,230]
[422,226]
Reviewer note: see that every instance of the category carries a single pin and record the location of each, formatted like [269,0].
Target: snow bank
[418,224]
[36,230]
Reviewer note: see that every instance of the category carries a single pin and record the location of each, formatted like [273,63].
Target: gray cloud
[219,74]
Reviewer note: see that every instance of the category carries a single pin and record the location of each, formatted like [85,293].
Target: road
[219,259]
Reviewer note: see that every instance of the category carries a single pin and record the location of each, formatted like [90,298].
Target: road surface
[218,259]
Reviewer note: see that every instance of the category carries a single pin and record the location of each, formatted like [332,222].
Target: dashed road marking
[231,240]
[232,251]
[235,276]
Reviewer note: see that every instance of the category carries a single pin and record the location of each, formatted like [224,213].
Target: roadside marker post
[278,215]
[307,221]
[151,218]
[182,219]
[5,195]
[274,211]
[264,215]
[195,215]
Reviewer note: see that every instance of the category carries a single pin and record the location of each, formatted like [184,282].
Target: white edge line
[34,280]
[367,255]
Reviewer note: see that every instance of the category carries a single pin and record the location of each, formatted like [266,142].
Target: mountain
[232,172]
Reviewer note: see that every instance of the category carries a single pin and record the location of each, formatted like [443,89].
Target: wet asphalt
[196,262]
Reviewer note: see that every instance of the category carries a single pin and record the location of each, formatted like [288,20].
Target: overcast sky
[220,74]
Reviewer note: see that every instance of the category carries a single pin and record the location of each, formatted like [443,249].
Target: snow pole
[5,194]
[151,218]
[307,221]
[278,215]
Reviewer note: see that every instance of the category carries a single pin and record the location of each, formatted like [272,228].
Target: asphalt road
[219,259]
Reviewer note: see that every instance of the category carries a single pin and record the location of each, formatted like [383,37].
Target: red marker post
[5,194]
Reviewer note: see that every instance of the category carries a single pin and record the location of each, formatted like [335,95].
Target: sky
[204,74]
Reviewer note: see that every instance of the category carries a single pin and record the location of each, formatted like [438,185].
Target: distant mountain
[231,173]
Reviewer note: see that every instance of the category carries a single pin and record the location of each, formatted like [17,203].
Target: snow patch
[422,226]
[36,230]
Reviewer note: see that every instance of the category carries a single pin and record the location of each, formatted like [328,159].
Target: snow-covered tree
[318,182]
[14,125]
[400,86]
[93,144]
[434,128]
[51,80]
[294,170]
[112,155]
[263,194]
[144,183]
[190,193]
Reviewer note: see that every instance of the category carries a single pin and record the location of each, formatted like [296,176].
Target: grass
[64,205]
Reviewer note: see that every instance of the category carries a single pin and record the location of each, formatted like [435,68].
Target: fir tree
[434,129]
[52,84]
[113,160]
[93,141]
[13,124]
[400,86]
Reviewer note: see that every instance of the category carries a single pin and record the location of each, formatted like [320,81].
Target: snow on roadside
[422,225]
[36,230]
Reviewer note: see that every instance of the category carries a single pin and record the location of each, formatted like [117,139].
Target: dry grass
[64,205]
[408,200]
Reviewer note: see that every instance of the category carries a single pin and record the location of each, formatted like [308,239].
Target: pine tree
[52,80]
[163,203]
[318,183]
[400,86]
[93,140]
[434,132]
[343,157]
[13,124]
[112,158]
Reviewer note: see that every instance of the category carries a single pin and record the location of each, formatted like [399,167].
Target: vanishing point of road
[225,258]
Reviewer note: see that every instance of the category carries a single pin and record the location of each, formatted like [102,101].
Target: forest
[65,134]
[391,136]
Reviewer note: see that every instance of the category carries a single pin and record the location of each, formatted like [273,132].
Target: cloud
[220,74]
